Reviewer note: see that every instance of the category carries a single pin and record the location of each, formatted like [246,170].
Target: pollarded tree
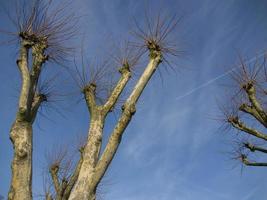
[247,112]
[42,30]
[41,34]
[90,169]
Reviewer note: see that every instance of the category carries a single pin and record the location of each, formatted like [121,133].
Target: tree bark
[85,187]
[21,138]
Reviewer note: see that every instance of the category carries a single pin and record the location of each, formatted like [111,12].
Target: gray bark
[21,137]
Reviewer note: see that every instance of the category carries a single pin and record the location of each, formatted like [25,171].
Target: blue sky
[172,149]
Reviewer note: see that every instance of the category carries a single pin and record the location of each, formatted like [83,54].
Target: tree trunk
[85,189]
[21,138]
[86,184]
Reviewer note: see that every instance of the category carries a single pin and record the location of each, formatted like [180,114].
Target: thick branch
[89,94]
[128,111]
[254,148]
[74,177]
[95,134]
[255,164]
[251,92]
[48,196]
[53,172]
[30,79]
[64,184]
[37,101]
[125,76]
[22,63]
[236,123]
[142,82]
[113,144]
[39,59]
[84,187]
[252,111]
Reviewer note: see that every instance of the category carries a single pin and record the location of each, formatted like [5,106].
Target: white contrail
[216,78]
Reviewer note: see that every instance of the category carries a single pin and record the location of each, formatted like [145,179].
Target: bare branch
[246,162]
[89,94]
[252,111]
[22,63]
[48,196]
[236,123]
[254,148]
[54,174]
[74,176]
[128,111]
[38,99]
[125,76]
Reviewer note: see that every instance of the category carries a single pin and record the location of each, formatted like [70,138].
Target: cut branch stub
[89,95]
[91,88]
[153,47]
[32,39]
[54,168]
[125,68]
[248,86]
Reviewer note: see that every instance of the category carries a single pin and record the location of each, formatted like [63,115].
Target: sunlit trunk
[21,137]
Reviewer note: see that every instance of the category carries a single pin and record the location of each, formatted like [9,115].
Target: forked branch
[127,113]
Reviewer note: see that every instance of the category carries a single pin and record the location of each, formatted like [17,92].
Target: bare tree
[94,165]
[246,111]
[41,35]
